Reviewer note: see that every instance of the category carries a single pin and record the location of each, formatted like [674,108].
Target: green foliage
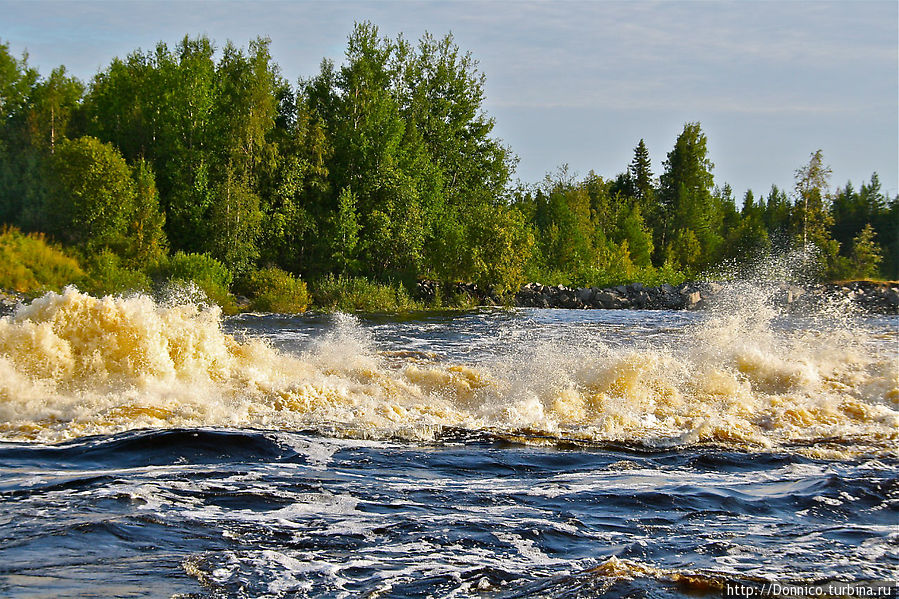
[632,230]
[16,81]
[641,180]
[358,294]
[501,246]
[95,195]
[384,166]
[30,264]
[344,232]
[685,202]
[275,290]
[146,227]
[234,221]
[411,141]
[210,275]
[866,256]
[811,216]
[52,104]
[667,273]
[108,275]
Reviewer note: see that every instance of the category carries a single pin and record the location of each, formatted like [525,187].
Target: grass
[30,264]
[357,294]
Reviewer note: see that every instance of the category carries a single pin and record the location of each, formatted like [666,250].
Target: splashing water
[74,365]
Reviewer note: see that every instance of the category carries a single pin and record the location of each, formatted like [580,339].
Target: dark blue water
[252,513]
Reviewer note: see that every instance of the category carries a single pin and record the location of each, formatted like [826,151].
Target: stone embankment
[870,297]
[875,298]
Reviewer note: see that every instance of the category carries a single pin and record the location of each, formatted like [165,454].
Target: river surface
[157,450]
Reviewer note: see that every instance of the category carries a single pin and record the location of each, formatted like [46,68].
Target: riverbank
[866,296]
[879,298]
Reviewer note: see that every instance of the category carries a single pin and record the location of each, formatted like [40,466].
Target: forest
[203,163]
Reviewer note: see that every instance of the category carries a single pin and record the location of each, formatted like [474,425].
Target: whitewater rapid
[73,365]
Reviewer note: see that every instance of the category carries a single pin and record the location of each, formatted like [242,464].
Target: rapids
[740,375]
[150,447]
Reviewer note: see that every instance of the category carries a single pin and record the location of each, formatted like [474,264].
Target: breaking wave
[73,365]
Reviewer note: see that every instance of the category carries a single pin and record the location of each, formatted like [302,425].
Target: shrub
[275,290]
[107,275]
[210,275]
[357,294]
[30,264]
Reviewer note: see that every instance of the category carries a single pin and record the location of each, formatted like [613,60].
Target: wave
[73,365]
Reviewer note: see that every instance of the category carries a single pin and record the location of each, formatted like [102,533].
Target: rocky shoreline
[9,300]
[870,297]
[875,298]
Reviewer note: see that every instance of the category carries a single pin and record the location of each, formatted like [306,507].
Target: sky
[572,82]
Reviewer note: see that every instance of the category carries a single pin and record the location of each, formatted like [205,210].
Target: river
[155,449]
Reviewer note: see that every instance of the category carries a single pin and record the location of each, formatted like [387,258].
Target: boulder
[692,299]
[585,295]
[607,300]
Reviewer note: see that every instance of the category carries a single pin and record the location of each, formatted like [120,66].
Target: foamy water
[74,365]
[155,449]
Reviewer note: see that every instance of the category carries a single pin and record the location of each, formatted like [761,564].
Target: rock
[585,295]
[9,301]
[794,293]
[871,297]
[640,299]
[691,300]
[669,298]
[892,297]
[607,300]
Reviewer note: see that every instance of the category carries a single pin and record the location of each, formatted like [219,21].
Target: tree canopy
[384,165]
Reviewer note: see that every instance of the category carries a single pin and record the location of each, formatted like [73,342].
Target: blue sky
[572,82]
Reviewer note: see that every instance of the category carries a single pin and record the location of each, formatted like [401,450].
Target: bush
[210,275]
[596,277]
[107,275]
[356,294]
[275,290]
[30,264]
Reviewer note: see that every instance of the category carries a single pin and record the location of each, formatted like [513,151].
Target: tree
[502,247]
[632,230]
[17,80]
[234,222]
[747,236]
[441,96]
[685,197]
[776,214]
[344,233]
[95,195]
[51,106]
[866,256]
[147,225]
[245,107]
[34,115]
[812,217]
[640,172]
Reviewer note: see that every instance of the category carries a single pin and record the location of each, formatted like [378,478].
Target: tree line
[384,166]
